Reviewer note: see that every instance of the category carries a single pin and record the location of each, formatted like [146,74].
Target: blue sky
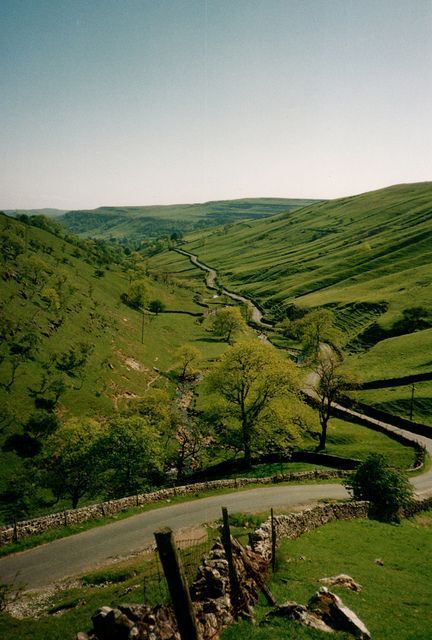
[156,101]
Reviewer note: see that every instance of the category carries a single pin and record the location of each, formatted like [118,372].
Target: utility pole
[412,402]
[142,327]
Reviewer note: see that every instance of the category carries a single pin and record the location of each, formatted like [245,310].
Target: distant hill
[49,212]
[151,221]
[367,257]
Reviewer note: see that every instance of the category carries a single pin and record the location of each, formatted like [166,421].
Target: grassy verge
[395,599]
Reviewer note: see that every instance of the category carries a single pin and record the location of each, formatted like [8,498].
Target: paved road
[211,279]
[41,566]
[75,555]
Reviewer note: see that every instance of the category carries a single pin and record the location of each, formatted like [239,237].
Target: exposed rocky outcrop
[325,611]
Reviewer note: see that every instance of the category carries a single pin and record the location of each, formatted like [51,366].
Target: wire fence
[191,552]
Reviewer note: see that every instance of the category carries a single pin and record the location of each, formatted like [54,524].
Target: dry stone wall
[35,526]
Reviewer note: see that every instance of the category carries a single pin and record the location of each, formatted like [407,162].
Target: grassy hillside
[367,257]
[61,293]
[137,222]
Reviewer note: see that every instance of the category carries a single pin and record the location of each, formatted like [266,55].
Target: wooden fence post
[273,541]
[233,577]
[177,584]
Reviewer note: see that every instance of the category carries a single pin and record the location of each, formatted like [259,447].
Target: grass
[368,257]
[353,441]
[397,400]
[394,602]
[400,356]
[395,599]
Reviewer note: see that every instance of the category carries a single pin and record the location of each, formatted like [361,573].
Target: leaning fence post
[273,541]
[177,584]
[233,578]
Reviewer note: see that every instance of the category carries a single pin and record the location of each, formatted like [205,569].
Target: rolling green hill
[367,257]
[57,294]
[137,222]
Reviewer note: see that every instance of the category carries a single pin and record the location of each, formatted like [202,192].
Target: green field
[397,400]
[368,258]
[394,602]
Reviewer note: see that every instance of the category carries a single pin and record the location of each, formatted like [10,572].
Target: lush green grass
[367,257]
[397,400]
[353,441]
[401,356]
[395,601]
[120,366]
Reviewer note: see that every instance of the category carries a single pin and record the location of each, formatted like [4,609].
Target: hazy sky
[163,101]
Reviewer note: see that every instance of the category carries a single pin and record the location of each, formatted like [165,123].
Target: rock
[379,562]
[300,613]
[82,636]
[342,580]
[112,624]
[338,616]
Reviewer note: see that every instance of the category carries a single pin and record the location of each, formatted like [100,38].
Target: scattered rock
[338,616]
[325,611]
[379,562]
[342,580]
[300,613]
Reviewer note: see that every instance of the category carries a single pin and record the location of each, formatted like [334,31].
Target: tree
[187,356]
[327,388]
[134,455]
[156,306]
[315,327]
[249,378]
[226,322]
[72,459]
[388,490]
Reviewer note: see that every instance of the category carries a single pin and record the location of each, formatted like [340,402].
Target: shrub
[388,490]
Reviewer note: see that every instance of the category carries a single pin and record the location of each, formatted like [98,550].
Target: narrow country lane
[72,556]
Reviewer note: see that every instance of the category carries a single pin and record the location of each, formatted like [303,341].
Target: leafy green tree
[73,361]
[313,329]
[388,490]
[16,497]
[137,294]
[156,306]
[157,409]
[72,459]
[134,455]
[329,386]
[249,378]
[187,356]
[227,322]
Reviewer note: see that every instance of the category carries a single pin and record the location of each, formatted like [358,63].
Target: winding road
[53,562]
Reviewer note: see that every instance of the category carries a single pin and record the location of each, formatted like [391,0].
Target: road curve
[75,555]
[72,556]
[256,314]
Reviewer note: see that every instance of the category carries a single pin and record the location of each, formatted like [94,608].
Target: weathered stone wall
[293,525]
[36,526]
[211,592]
